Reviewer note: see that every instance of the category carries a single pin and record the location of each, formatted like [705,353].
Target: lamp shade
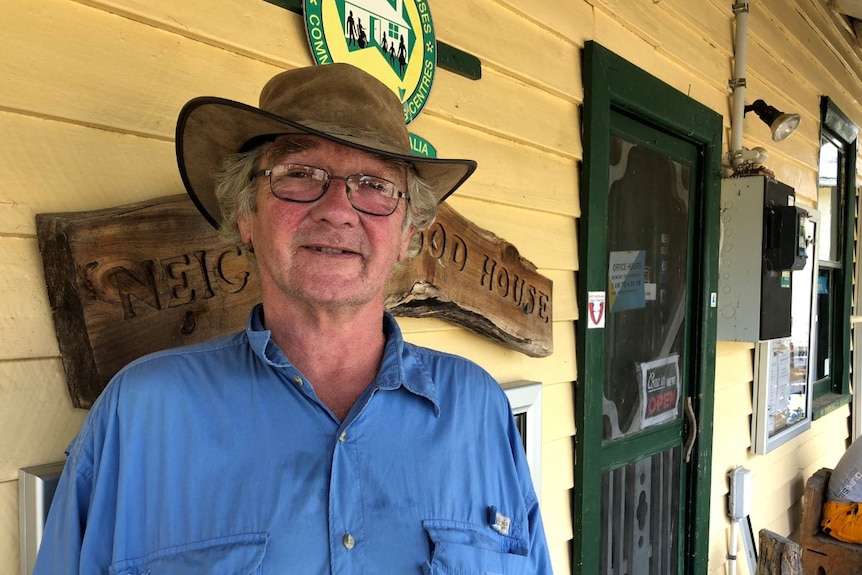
[781,124]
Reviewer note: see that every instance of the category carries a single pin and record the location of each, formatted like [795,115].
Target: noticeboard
[783,373]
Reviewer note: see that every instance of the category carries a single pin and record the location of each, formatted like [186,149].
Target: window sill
[827,403]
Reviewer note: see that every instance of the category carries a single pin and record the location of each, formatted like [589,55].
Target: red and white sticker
[596,309]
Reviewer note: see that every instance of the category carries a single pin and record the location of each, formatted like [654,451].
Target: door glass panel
[647,246]
[640,517]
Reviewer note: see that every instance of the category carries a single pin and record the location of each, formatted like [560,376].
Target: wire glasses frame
[305,184]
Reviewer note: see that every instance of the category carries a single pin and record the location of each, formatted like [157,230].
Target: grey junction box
[754,296]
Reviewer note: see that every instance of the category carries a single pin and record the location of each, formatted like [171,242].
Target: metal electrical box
[762,241]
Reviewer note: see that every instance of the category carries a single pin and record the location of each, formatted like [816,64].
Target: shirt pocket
[460,548]
[231,555]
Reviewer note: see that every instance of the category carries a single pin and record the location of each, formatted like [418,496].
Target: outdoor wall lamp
[781,124]
[739,159]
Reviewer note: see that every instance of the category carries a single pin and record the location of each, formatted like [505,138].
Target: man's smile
[332,250]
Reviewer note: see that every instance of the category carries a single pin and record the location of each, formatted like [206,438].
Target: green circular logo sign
[391,39]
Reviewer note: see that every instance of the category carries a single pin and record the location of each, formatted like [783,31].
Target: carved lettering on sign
[470,276]
[445,251]
[135,279]
[507,285]
[185,279]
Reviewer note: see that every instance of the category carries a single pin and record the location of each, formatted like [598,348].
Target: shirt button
[348,541]
[297,380]
[343,437]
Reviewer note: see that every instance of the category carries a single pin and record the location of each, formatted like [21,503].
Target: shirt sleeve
[539,554]
[60,548]
[79,530]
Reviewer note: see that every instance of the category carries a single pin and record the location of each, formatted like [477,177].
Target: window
[36,486]
[836,203]
[525,397]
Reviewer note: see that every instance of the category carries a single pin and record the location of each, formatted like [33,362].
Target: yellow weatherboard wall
[91,90]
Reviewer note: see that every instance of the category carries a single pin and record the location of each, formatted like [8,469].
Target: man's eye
[374,184]
[298,173]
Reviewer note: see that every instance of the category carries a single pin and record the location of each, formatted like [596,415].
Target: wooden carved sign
[127,281]
[131,280]
[471,277]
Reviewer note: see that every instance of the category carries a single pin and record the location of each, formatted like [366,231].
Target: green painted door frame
[614,87]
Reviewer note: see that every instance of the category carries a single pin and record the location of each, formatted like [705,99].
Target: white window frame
[525,397]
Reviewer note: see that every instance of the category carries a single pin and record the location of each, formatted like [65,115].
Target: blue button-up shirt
[219,458]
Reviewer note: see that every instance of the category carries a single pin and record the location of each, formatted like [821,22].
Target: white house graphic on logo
[379,23]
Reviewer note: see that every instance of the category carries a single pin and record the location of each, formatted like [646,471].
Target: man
[317,440]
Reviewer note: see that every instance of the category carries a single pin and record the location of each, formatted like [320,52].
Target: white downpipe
[734,547]
[740,53]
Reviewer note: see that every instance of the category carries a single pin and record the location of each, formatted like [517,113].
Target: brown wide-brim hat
[338,102]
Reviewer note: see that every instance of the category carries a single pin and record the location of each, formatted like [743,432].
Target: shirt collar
[261,342]
[401,365]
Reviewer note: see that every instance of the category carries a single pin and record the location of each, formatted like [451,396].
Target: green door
[646,345]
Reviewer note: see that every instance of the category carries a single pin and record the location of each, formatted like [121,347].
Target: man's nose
[335,204]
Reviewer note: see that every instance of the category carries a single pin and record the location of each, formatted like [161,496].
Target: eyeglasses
[305,184]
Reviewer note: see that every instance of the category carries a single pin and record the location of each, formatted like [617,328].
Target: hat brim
[209,128]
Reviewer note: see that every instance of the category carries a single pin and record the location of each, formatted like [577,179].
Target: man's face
[325,253]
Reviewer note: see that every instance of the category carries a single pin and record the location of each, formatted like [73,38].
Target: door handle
[692,429]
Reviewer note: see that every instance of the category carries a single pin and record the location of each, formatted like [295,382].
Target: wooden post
[778,555]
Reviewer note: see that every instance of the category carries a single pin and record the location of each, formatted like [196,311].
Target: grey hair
[236,189]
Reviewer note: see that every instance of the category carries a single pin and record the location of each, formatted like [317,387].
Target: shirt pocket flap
[481,536]
[231,555]
[467,549]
